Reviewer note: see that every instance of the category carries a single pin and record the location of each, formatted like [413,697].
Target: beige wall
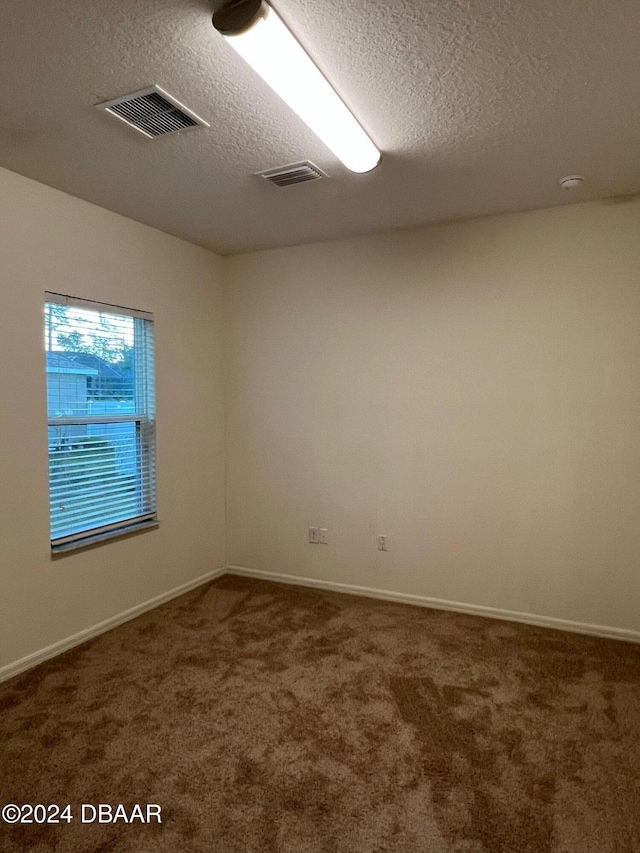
[472,390]
[50,241]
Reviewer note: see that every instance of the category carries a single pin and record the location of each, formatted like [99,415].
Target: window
[100,407]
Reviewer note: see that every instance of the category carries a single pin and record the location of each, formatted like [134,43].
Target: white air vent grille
[153,112]
[297,173]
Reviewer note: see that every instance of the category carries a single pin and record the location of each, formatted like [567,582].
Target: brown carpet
[271,719]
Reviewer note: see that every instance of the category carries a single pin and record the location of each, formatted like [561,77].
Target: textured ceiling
[479,106]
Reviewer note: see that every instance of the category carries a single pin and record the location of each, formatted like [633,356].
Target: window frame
[143,418]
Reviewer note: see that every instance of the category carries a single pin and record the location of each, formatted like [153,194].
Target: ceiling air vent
[153,112]
[297,173]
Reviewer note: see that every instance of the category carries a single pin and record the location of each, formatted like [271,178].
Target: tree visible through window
[100,406]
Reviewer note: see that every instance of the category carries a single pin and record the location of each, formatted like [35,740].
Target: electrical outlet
[314,536]
[324,536]
[382,543]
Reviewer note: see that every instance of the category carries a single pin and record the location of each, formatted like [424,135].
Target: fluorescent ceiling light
[256,32]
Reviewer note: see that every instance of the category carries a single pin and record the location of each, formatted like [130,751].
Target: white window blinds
[101,418]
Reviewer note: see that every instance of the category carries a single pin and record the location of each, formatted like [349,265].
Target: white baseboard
[628,635]
[51,651]
[25,663]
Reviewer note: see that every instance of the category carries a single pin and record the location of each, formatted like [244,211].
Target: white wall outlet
[382,543]
[324,536]
[314,536]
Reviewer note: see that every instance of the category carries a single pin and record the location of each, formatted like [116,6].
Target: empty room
[320,426]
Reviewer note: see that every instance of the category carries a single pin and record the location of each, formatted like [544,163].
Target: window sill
[101,538]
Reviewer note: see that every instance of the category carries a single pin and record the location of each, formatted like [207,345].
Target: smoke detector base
[571,182]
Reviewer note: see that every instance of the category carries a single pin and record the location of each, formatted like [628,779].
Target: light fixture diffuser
[260,37]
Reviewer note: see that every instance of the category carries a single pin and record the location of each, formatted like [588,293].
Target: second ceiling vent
[297,173]
[153,112]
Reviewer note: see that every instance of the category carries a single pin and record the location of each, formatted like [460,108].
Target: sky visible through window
[76,329]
